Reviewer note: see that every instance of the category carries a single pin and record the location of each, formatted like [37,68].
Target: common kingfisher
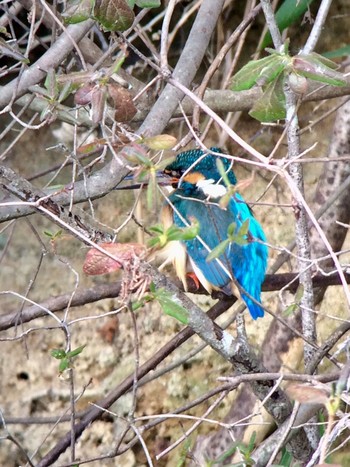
[198,188]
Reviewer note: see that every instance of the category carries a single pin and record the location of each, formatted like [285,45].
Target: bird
[197,190]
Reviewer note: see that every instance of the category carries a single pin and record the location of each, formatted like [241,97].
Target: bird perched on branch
[204,193]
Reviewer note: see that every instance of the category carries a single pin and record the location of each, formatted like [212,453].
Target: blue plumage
[196,197]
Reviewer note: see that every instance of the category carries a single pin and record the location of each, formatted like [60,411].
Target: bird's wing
[213,223]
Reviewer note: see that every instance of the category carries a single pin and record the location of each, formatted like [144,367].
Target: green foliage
[144,3]
[239,237]
[294,307]
[166,300]
[286,459]
[66,357]
[272,73]
[187,445]
[287,14]
[53,93]
[338,53]
[171,306]
[53,236]
[78,11]
[173,233]
[112,15]
[147,172]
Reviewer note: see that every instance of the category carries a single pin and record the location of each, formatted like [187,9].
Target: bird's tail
[255,310]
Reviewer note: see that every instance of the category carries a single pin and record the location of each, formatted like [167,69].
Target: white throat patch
[211,189]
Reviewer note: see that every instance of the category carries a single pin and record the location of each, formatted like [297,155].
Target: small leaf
[218,250]
[171,307]
[77,11]
[260,71]
[159,229]
[58,353]
[291,309]
[313,68]
[93,147]
[148,3]
[64,365]
[271,105]
[51,83]
[231,229]
[98,101]
[338,53]
[83,96]
[160,142]
[244,229]
[122,101]
[65,91]
[299,293]
[75,352]
[9,51]
[114,15]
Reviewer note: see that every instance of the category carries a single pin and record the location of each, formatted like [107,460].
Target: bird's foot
[194,278]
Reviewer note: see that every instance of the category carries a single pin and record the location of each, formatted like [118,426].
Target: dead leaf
[97,262]
[307,394]
[122,102]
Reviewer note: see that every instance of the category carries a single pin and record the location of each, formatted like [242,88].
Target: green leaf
[286,459]
[75,352]
[288,13]
[173,233]
[338,53]
[317,58]
[65,91]
[159,229]
[218,250]
[299,293]
[58,353]
[114,15]
[78,11]
[260,71]
[244,229]
[64,365]
[160,142]
[51,83]
[291,309]
[271,105]
[171,307]
[312,67]
[231,230]
[148,3]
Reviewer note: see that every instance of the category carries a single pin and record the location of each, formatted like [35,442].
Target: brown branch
[273,282]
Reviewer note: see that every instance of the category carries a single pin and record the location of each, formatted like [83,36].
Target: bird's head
[194,170]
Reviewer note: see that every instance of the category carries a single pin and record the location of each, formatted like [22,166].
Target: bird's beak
[130,182]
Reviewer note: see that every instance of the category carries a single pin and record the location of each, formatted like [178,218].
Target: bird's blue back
[247,263]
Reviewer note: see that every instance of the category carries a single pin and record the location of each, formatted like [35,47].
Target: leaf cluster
[66,357]
[112,15]
[272,73]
